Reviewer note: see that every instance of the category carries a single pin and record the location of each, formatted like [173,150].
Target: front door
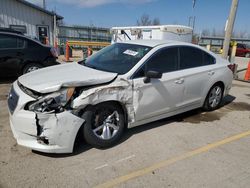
[160,96]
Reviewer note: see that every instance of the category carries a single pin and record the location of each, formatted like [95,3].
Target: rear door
[198,67]
[11,54]
[160,96]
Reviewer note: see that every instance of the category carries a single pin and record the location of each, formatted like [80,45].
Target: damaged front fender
[58,129]
[119,90]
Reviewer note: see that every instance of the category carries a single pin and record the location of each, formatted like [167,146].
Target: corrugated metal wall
[15,13]
[83,33]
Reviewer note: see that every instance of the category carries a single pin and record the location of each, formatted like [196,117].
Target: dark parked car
[20,54]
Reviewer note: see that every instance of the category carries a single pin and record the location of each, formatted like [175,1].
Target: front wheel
[214,98]
[104,125]
[247,55]
[31,67]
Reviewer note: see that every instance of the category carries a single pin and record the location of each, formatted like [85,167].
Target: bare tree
[217,32]
[214,33]
[205,32]
[221,32]
[240,34]
[156,21]
[146,21]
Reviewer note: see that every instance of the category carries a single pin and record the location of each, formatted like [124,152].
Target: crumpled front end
[50,122]
[50,132]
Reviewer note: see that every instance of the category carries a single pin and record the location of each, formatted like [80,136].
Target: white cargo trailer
[161,32]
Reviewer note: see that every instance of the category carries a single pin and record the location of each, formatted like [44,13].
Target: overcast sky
[210,14]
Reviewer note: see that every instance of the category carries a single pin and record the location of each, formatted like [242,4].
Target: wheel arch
[121,105]
[79,134]
[221,83]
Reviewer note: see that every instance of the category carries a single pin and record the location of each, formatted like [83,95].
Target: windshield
[118,58]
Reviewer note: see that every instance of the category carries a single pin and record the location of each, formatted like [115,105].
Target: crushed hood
[51,79]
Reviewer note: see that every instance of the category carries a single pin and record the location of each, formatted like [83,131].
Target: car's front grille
[12,100]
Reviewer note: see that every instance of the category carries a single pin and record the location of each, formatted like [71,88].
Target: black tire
[31,67]
[94,117]
[207,104]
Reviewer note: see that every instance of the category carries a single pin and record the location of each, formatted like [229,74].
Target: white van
[160,32]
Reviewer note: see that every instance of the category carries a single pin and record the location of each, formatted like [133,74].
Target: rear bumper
[50,133]
[227,89]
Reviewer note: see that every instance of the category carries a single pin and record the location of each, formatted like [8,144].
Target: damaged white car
[121,86]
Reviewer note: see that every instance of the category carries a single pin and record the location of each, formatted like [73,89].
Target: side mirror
[152,74]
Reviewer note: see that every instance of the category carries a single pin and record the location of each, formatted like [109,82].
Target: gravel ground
[224,166]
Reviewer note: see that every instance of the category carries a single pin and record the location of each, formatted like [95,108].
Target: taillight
[53,51]
[232,67]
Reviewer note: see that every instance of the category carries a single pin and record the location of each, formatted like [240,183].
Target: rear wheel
[31,67]
[214,98]
[247,55]
[104,124]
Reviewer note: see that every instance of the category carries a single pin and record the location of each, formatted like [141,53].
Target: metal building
[32,20]
[83,33]
[216,43]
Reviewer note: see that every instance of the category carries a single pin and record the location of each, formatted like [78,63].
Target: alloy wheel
[215,96]
[106,126]
[31,69]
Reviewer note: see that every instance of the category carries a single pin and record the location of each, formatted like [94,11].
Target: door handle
[179,81]
[211,73]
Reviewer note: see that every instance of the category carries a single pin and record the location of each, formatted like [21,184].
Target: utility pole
[229,28]
[44,4]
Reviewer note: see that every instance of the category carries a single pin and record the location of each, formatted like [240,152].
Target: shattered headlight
[54,102]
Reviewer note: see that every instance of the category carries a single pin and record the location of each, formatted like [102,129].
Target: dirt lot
[195,149]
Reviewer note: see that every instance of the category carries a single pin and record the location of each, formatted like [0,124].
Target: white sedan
[123,85]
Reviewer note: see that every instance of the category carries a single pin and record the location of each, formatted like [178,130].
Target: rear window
[208,59]
[240,45]
[190,57]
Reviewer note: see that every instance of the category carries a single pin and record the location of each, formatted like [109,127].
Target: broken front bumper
[45,132]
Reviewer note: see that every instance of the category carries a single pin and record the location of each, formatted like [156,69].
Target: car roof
[154,43]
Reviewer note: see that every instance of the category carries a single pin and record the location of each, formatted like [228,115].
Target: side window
[164,61]
[208,59]
[7,42]
[190,57]
[240,45]
[10,42]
